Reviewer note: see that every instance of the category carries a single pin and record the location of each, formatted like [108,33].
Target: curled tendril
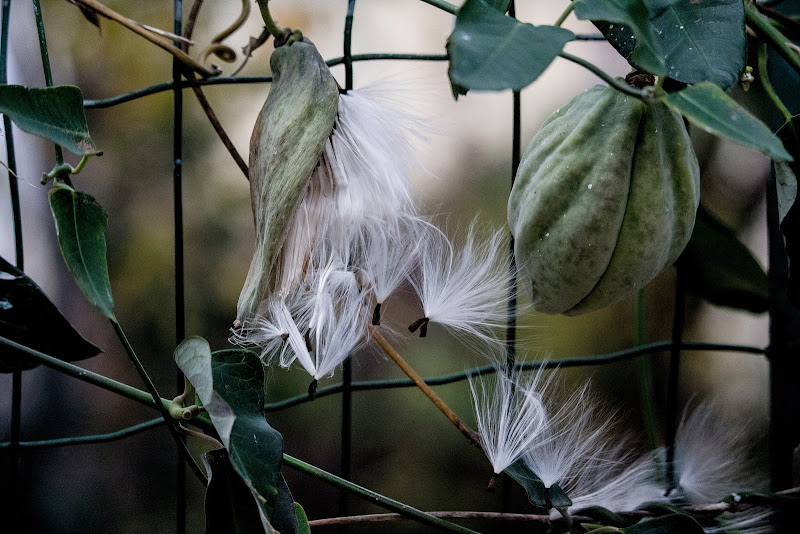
[220,50]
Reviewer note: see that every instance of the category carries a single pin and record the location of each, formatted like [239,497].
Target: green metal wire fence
[780,350]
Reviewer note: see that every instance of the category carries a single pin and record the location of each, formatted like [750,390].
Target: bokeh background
[403,447]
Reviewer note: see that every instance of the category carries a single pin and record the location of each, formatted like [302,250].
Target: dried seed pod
[604,200]
[288,139]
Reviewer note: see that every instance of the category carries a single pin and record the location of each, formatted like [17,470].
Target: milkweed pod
[604,200]
[287,141]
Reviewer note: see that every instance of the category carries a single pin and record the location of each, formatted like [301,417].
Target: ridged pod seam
[287,142]
[604,200]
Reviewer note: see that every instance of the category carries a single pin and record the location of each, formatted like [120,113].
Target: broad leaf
[648,53]
[230,386]
[490,52]
[698,41]
[703,41]
[708,107]
[665,524]
[538,494]
[499,5]
[28,317]
[55,113]
[788,208]
[80,225]
[717,267]
[229,506]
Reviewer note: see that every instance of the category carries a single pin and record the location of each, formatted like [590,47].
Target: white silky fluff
[465,290]
[361,180]
[510,415]
[713,456]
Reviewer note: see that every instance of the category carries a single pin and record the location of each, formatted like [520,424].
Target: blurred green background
[403,447]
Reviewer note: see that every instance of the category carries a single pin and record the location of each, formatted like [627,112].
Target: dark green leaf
[703,41]
[540,496]
[699,41]
[80,225]
[708,107]
[647,53]
[499,5]
[788,208]
[229,505]
[284,514]
[302,519]
[717,267]
[55,113]
[28,317]
[666,524]
[230,386]
[491,52]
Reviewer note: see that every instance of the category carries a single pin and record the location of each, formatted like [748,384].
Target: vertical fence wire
[673,380]
[14,458]
[347,366]
[180,301]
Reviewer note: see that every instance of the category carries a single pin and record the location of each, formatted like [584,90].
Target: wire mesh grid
[347,387]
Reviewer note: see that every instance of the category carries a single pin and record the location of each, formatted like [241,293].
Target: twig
[161,42]
[470,434]
[380,518]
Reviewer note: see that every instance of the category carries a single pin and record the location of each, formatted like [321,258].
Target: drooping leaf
[229,506]
[55,113]
[700,41]
[717,267]
[229,383]
[80,225]
[491,52]
[88,13]
[302,519]
[604,516]
[666,524]
[538,494]
[788,208]
[28,317]
[284,516]
[708,107]
[647,53]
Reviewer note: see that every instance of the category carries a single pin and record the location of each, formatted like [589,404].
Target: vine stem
[641,94]
[763,78]
[645,370]
[269,22]
[375,498]
[48,74]
[470,434]
[444,6]
[772,34]
[570,8]
[155,398]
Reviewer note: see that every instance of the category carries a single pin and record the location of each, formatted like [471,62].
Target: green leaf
[230,386]
[499,5]
[604,516]
[716,266]
[638,15]
[55,113]
[80,225]
[28,317]
[698,41]
[666,524]
[708,107]
[491,52]
[538,494]
[229,506]
[703,41]
[302,519]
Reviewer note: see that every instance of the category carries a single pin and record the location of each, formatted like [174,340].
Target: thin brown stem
[379,518]
[470,434]
[158,40]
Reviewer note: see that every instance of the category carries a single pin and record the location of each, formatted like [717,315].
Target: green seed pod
[604,200]
[288,139]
